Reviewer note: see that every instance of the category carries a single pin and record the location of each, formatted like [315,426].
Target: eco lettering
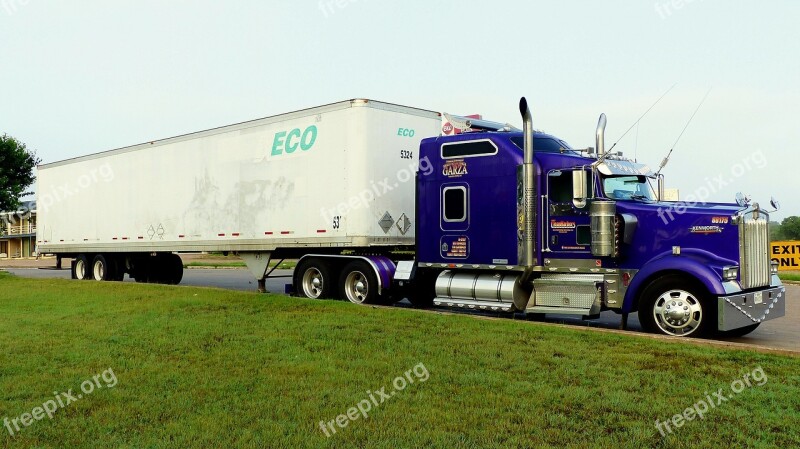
[406,132]
[288,142]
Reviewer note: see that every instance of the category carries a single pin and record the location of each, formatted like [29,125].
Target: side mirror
[579,193]
[742,200]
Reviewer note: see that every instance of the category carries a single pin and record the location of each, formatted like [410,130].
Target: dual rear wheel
[158,269]
[98,267]
[357,282]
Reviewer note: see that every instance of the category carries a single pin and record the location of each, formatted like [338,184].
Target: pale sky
[89,76]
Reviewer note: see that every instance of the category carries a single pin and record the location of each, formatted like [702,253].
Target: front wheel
[674,305]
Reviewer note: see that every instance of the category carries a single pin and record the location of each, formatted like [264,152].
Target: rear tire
[359,284]
[312,279]
[173,269]
[80,268]
[677,306]
[102,268]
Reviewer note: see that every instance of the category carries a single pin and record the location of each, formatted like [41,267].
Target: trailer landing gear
[623,325]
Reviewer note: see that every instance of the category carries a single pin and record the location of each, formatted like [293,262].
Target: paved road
[782,333]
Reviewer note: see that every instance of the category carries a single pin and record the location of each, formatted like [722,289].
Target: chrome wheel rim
[678,313]
[80,270]
[99,271]
[356,287]
[313,283]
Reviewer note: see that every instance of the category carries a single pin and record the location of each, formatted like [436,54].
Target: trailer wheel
[102,270]
[119,268]
[173,269]
[359,284]
[80,268]
[313,279]
[674,305]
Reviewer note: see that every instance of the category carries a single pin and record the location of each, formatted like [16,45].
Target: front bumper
[746,309]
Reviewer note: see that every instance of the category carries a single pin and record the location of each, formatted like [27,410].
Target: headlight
[773,267]
[730,273]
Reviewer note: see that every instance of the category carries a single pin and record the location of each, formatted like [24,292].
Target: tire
[313,279]
[119,268]
[102,268]
[142,270]
[359,284]
[80,268]
[173,269]
[741,332]
[676,306]
[161,270]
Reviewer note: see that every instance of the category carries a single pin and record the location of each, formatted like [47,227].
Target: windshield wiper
[639,196]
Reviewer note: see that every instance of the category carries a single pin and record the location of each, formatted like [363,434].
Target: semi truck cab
[519,221]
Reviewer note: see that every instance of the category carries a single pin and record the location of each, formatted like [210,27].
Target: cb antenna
[666,159]
[640,118]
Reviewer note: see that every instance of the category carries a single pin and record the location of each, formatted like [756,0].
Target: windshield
[628,188]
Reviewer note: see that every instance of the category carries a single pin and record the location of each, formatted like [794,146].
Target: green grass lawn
[209,368]
[790,277]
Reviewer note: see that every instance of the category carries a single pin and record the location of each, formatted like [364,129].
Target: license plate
[758,298]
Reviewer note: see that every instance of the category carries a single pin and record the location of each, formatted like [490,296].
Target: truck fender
[383,266]
[691,262]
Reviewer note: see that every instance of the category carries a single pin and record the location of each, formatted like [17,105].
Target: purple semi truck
[518,221]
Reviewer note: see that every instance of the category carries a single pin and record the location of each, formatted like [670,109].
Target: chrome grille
[754,252]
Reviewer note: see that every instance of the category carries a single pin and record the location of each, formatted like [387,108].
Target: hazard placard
[787,254]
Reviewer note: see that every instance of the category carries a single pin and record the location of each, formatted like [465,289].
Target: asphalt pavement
[782,333]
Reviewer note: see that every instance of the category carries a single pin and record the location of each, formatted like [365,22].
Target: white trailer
[334,177]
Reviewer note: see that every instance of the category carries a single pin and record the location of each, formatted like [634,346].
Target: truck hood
[708,228]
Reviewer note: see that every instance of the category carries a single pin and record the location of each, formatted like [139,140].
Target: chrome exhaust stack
[528,212]
[600,137]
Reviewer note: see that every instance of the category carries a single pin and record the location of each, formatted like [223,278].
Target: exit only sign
[787,254]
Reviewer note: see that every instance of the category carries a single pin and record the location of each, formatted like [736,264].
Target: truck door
[454,220]
[567,222]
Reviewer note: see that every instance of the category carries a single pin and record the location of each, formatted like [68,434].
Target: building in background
[18,232]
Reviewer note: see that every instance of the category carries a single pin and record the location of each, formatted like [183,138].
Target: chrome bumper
[745,309]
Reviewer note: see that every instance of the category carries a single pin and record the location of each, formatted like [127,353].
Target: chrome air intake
[604,242]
